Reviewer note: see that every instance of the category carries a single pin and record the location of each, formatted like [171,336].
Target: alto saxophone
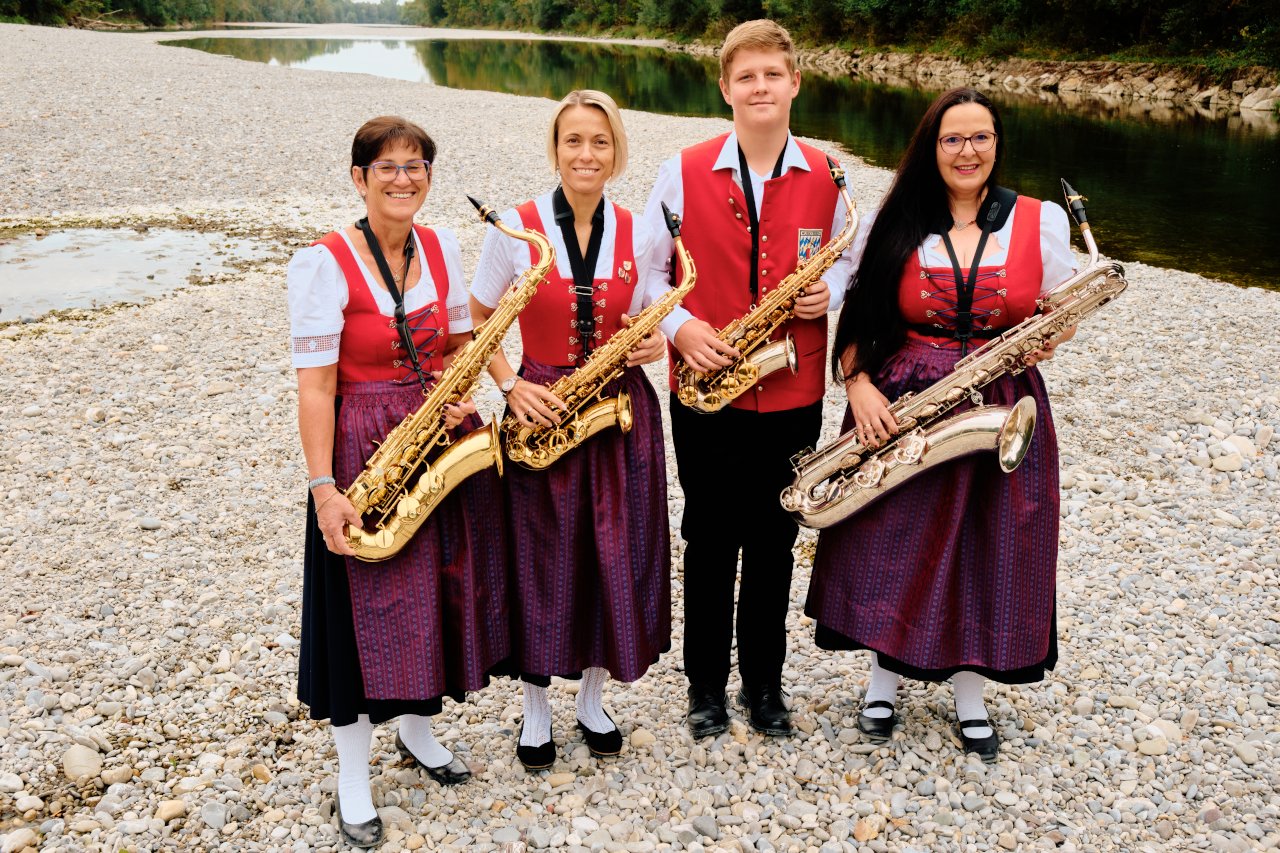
[587,411]
[749,334]
[846,476]
[399,486]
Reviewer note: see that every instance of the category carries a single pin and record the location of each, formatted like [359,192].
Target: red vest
[548,324]
[370,348]
[797,211]
[1003,296]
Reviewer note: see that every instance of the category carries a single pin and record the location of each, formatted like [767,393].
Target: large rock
[80,761]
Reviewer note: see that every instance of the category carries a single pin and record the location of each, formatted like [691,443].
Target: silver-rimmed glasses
[386,171]
[953,143]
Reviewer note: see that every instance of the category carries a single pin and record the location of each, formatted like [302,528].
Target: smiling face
[966,172]
[397,200]
[760,87]
[584,151]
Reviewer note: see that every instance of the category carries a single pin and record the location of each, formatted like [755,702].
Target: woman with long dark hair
[952,575]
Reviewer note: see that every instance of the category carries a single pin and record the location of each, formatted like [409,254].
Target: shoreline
[152,536]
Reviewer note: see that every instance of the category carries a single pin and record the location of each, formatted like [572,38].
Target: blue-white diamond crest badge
[808,243]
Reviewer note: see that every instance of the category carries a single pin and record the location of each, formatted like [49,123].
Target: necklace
[960,226]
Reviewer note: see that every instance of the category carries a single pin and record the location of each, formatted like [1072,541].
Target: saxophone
[399,486]
[587,410]
[844,477]
[749,334]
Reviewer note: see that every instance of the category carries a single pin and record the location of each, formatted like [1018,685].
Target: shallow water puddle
[95,267]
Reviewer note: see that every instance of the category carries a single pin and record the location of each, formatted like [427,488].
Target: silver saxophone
[846,476]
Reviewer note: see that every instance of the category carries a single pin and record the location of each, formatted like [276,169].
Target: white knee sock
[591,700]
[883,688]
[415,731]
[537,715]
[352,742]
[969,706]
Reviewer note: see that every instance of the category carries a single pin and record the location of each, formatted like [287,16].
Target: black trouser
[733,464]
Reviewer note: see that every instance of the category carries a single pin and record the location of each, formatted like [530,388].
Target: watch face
[508,384]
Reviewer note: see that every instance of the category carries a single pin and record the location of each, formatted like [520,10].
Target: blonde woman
[590,540]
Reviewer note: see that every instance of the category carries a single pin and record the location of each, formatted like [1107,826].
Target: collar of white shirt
[728,159]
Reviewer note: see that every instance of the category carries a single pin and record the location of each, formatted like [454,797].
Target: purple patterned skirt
[432,620]
[956,568]
[592,547]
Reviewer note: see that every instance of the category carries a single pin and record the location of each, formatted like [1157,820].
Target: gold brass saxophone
[846,476]
[749,334]
[399,486]
[587,411]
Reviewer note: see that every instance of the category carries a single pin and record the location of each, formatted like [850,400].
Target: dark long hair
[915,207]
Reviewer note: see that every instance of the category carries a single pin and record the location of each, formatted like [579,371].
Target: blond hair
[606,105]
[761,34]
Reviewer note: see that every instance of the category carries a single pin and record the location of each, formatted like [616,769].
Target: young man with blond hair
[755,202]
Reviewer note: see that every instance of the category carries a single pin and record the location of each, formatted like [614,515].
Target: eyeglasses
[953,143]
[386,171]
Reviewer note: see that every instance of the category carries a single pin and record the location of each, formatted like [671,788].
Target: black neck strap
[964,288]
[384,269]
[583,268]
[744,172]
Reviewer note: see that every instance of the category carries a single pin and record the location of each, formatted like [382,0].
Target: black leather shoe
[986,747]
[877,729]
[454,773]
[367,834]
[766,711]
[707,714]
[536,757]
[602,745]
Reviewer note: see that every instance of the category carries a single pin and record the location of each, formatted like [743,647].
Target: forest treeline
[164,13]
[1231,31]
[1216,32]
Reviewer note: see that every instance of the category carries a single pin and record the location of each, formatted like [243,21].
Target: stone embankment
[1253,90]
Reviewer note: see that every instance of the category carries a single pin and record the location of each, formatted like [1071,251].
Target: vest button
[764,272]
[764,255]
[759,387]
[764,238]
[739,215]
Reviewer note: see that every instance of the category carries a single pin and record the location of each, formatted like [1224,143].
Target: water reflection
[91,267]
[1169,186]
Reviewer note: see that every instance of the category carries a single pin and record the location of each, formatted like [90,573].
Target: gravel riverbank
[151,540]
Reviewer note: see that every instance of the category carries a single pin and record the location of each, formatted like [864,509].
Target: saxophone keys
[408,508]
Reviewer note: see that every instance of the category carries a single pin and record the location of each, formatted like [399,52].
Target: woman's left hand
[454,415]
[1044,354]
[649,349]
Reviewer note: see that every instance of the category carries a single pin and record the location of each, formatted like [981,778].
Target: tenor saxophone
[749,334]
[400,485]
[587,410]
[846,476]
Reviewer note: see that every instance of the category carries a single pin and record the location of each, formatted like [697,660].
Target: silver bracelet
[322,481]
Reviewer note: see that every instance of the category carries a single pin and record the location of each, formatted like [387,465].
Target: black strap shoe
[986,747]
[707,713]
[536,757]
[602,744]
[877,729]
[766,710]
[454,773]
[367,834]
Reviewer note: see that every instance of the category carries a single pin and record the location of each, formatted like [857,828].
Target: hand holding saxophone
[334,515]
[701,348]
[651,348]
[815,301]
[873,420]
[534,404]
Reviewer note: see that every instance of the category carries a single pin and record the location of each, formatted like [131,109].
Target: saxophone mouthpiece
[487,213]
[1075,203]
[837,174]
[672,220]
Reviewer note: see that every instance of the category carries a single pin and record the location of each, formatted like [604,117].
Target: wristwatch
[506,385]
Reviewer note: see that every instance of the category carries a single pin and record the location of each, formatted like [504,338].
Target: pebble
[182,437]
[80,761]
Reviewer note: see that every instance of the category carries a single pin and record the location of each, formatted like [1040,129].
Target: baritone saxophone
[846,476]
[750,334]
[588,411]
[401,483]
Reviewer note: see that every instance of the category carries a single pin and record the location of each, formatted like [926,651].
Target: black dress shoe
[986,747]
[536,757]
[367,834]
[602,745]
[707,714]
[454,773]
[765,710]
[877,729]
